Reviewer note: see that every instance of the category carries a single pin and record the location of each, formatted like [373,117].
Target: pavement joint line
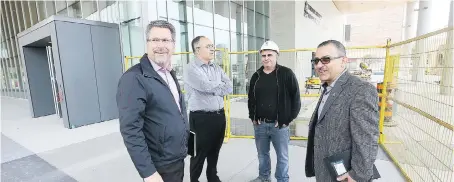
[244,168]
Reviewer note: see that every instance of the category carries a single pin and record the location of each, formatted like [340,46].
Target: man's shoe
[215,179]
[258,179]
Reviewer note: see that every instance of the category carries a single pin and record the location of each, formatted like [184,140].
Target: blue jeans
[264,134]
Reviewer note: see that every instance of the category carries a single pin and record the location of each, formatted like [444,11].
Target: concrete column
[410,23]
[447,77]
[424,19]
[410,19]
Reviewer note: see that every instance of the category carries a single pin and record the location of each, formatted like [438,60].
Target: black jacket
[288,102]
[154,130]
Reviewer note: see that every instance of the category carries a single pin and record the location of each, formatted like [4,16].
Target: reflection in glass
[203,13]
[41,9]
[50,8]
[162,10]
[221,16]
[88,8]
[238,64]
[204,31]
[60,8]
[34,13]
[236,21]
[250,22]
[74,9]
[221,41]
[260,25]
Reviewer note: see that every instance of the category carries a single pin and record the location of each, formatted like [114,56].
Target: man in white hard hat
[273,102]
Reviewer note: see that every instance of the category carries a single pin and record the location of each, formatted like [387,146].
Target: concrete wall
[374,27]
[282,24]
[290,29]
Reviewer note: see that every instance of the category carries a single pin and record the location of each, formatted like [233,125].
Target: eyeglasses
[156,40]
[324,59]
[209,46]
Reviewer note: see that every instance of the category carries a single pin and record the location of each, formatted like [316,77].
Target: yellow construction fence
[414,79]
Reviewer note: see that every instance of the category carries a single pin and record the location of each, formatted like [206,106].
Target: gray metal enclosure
[87,62]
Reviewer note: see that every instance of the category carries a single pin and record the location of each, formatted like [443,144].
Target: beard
[161,57]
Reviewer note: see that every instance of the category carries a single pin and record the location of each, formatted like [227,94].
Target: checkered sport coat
[348,121]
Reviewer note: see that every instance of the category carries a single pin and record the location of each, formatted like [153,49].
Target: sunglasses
[324,59]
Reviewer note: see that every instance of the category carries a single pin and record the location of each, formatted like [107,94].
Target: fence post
[125,63]
[226,66]
[384,93]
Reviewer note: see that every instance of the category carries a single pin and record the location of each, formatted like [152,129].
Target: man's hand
[256,122]
[277,125]
[345,177]
[154,178]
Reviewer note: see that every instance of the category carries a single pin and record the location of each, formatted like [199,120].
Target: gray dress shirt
[326,95]
[205,85]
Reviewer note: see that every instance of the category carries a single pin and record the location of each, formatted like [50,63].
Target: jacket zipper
[277,105]
[255,98]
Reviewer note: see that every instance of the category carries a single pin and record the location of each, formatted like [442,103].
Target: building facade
[235,25]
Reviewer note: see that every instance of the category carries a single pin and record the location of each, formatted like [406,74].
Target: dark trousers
[173,172]
[210,130]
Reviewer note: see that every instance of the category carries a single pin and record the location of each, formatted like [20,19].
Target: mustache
[161,50]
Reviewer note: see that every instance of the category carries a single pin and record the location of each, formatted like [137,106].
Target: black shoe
[214,179]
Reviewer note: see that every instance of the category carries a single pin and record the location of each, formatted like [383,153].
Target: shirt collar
[199,62]
[156,67]
[334,82]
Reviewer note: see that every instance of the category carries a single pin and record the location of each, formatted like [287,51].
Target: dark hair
[160,24]
[339,46]
[195,41]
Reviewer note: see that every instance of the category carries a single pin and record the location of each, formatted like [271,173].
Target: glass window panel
[203,31]
[26,14]
[5,80]
[177,10]
[249,4]
[60,8]
[88,8]
[102,5]
[203,13]
[222,41]
[162,9]
[41,10]
[189,11]
[258,43]
[20,16]
[50,8]
[14,47]
[250,22]
[152,11]
[260,25]
[7,17]
[267,27]
[266,6]
[221,16]
[12,18]
[236,20]
[33,12]
[74,9]
[259,7]
[237,63]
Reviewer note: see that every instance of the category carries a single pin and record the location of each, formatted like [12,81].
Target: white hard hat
[270,45]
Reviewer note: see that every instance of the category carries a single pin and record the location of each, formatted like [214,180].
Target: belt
[220,111]
[267,120]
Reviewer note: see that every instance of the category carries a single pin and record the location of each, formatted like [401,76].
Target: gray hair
[160,24]
[339,46]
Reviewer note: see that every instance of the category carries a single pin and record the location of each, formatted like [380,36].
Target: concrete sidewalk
[42,149]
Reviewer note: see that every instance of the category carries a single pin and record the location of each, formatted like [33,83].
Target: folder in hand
[192,144]
[340,163]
